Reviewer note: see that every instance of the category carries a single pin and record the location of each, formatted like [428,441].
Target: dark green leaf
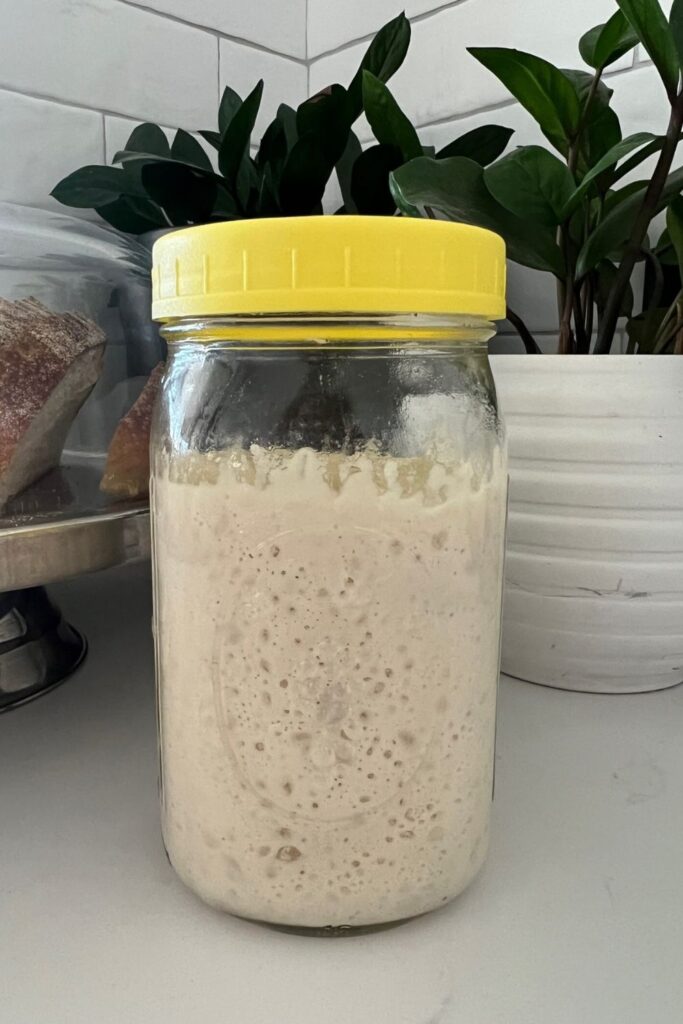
[268,204]
[326,118]
[93,186]
[287,117]
[483,145]
[237,136]
[540,87]
[637,159]
[247,185]
[600,125]
[148,138]
[664,242]
[600,99]
[383,58]
[229,105]
[304,177]
[390,125]
[615,197]
[664,250]
[602,131]
[676,27]
[225,206]
[370,179]
[213,138]
[648,22]
[605,274]
[615,227]
[273,147]
[532,183]
[674,225]
[612,157]
[583,85]
[187,150]
[604,44]
[132,215]
[187,196]
[133,160]
[344,168]
[456,187]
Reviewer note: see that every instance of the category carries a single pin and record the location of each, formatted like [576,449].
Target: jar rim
[322,330]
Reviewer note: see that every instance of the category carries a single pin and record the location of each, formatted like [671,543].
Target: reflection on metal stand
[38,649]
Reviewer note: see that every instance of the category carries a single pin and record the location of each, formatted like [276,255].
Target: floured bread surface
[49,362]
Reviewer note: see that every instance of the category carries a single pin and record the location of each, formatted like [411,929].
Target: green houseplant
[154,184]
[594,567]
[575,211]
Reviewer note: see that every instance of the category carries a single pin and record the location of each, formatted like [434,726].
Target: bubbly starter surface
[327,631]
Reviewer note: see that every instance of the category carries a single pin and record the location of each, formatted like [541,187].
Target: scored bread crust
[49,363]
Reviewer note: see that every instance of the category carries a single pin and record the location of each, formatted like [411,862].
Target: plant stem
[523,331]
[579,329]
[566,342]
[589,308]
[678,344]
[565,294]
[645,214]
[658,276]
[667,317]
[667,336]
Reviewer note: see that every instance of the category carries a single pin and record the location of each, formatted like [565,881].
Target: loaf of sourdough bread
[49,363]
[126,474]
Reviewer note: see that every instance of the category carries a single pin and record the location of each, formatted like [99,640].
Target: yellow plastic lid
[329,264]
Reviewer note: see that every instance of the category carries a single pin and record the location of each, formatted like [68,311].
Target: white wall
[447,93]
[77,75]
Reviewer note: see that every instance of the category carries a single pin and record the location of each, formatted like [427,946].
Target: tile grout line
[489,108]
[75,105]
[367,36]
[218,71]
[308,63]
[241,40]
[444,119]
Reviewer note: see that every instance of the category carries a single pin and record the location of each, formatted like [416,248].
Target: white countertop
[576,919]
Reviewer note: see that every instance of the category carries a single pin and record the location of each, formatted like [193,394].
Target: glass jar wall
[328,504]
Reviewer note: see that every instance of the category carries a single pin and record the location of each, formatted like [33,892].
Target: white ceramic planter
[594,577]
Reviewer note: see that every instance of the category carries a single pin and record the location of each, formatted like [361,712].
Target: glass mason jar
[328,492]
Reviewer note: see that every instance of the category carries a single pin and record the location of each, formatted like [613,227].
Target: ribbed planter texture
[594,574]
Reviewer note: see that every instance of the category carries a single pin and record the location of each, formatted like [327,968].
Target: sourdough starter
[327,633]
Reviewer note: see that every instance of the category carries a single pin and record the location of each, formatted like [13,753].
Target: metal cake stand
[59,527]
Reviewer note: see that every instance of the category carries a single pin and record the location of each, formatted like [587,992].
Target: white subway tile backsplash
[533,296]
[327,31]
[41,142]
[439,78]
[640,101]
[109,55]
[285,80]
[276,25]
